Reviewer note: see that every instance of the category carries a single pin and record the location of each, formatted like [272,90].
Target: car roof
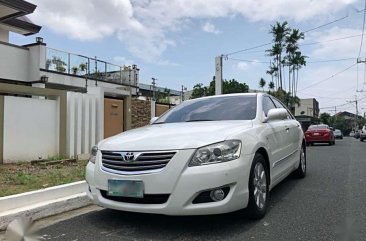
[224,95]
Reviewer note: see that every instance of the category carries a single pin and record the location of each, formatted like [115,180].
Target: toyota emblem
[129,156]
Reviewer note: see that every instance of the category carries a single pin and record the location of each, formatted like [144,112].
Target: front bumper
[182,183]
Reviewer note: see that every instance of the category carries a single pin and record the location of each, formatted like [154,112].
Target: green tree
[279,32]
[262,83]
[228,87]
[271,86]
[325,118]
[199,90]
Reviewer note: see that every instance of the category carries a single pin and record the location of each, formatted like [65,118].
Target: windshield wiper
[198,120]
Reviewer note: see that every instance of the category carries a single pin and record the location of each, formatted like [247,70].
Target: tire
[361,139]
[258,191]
[330,143]
[300,172]
[312,144]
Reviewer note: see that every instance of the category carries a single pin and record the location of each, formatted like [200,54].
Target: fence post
[153,108]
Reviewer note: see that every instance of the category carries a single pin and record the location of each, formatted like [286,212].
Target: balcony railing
[91,68]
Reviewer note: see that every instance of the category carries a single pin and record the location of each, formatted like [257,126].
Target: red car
[319,134]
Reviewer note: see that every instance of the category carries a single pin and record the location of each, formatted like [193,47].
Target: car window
[280,105]
[213,109]
[267,105]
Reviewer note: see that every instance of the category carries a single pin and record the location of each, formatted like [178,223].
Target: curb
[43,203]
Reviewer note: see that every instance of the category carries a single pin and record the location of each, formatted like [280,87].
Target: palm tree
[279,32]
[262,83]
[271,86]
[292,46]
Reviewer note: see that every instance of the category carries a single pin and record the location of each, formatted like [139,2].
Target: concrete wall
[31,129]
[14,62]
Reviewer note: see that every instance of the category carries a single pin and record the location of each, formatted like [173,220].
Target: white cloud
[144,26]
[122,60]
[210,28]
[242,65]
[343,48]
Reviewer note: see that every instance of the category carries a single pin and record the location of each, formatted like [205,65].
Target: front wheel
[300,172]
[258,188]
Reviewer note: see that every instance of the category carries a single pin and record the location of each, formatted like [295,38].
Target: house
[172,96]
[350,118]
[308,107]
[53,102]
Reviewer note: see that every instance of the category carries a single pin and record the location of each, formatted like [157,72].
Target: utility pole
[153,84]
[183,89]
[356,117]
[359,61]
[218,75]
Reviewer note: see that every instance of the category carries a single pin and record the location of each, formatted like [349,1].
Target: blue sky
[176,41]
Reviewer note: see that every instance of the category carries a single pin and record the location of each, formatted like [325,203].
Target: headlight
[216,153]
[93,154]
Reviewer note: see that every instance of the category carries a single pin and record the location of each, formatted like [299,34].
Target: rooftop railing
[91,68]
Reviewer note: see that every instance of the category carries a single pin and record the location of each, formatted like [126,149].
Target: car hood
[174,136]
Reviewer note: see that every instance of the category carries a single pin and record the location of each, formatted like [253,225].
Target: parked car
[357,134]
[319,134]
[363,133]
[210,155]
[352,134]
[338,134]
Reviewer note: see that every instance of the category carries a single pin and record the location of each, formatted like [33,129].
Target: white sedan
[209,155]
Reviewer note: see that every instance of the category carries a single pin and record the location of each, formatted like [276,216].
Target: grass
[18,178]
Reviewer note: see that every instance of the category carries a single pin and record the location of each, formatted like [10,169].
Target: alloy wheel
[260,185]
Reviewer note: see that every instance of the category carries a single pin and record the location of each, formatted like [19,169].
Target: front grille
[143,162]
[147,199]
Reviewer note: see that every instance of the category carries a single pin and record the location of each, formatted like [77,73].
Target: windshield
[213,109]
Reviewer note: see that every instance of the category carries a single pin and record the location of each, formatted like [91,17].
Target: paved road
[329,204]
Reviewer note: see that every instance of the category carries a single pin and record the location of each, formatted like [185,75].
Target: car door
[275,134]
[292,137]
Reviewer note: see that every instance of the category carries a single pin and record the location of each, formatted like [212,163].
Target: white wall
[14,63]
[31,128]
[81,123]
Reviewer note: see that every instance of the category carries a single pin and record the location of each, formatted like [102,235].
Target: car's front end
[177,186]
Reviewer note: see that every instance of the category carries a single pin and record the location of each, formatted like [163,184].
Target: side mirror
[276,114]
[153,119]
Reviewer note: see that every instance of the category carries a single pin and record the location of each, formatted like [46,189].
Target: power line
[330,77]
[330,60]
[326,24]
[249,61]
[309,30]
[332,40]
[243,50]
[311,62]
[307,44]
[363,29]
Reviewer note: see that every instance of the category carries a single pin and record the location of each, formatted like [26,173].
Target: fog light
[217,195]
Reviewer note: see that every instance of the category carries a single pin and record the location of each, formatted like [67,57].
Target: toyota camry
[210,155]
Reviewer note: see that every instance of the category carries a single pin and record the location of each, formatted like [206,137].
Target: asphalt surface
[329,204]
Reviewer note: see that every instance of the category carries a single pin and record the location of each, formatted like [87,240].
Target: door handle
[287,129]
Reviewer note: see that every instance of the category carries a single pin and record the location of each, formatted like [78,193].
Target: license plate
[126,188]
[316,134]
